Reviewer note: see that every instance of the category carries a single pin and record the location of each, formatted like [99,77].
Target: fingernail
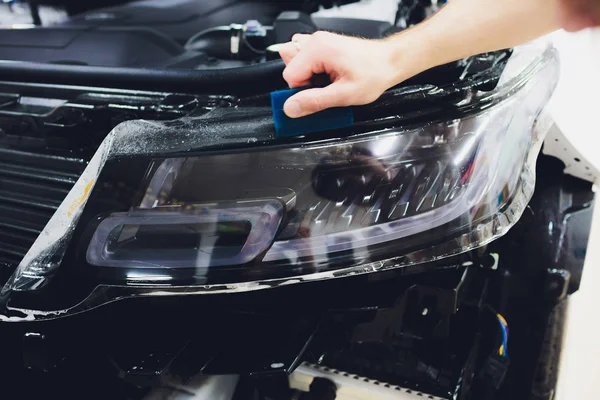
[293,109]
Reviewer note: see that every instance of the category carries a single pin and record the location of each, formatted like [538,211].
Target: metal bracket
[352,387]
[557,145]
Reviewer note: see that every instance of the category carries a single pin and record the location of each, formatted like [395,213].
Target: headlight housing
[148,217]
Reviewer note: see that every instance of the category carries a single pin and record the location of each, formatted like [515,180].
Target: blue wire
[504,338]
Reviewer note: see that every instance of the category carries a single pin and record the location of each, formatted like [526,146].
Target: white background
[576,110]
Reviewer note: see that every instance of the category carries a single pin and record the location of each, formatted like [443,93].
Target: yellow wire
[502,350]
[502,319]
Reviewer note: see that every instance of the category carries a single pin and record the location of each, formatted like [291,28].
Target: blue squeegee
[332,118]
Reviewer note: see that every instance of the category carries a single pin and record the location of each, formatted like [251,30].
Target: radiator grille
[32,186]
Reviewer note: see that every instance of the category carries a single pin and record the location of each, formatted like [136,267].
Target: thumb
[310,101]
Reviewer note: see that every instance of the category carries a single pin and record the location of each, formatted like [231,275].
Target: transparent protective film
[397,196]
[347,203]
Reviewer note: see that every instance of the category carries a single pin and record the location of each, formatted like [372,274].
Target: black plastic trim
[258,78]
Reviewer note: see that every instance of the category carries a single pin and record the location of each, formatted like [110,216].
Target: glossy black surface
[261,334]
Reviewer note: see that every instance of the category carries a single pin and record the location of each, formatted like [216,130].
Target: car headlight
[148,217]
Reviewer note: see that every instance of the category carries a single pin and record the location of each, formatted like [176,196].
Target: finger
[300,40]
[288,51]
[302,67]
[311,101]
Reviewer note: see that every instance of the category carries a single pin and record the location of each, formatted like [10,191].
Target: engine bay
[188,34]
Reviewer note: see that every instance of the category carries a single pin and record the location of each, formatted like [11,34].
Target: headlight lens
[296,211]
[231,221]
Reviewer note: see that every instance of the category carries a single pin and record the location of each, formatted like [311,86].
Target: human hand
[360,71]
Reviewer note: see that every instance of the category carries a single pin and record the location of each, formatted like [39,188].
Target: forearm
[467,27]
